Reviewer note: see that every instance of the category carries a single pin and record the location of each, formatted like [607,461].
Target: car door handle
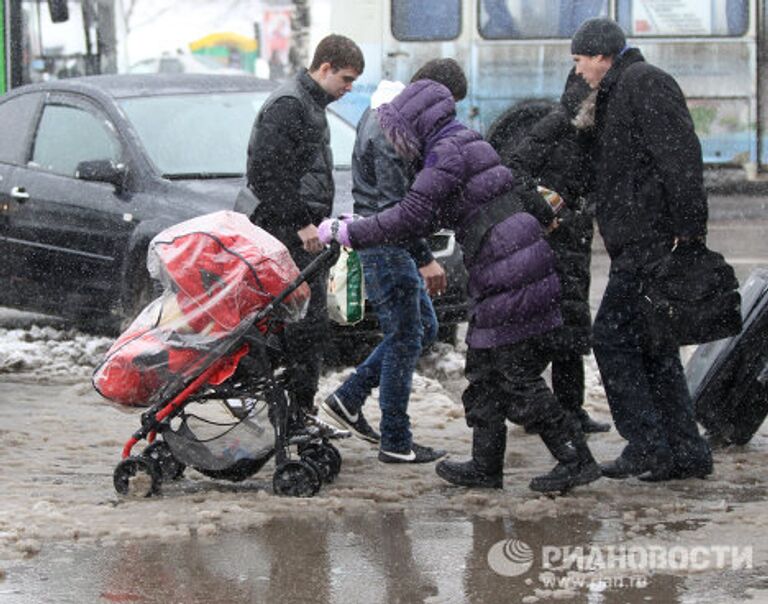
[19,193]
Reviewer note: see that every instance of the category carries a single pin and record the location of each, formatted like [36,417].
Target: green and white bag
[346,289]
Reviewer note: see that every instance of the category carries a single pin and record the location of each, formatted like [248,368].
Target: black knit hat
[598,37]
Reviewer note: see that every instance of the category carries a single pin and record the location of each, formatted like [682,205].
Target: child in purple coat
[513,289]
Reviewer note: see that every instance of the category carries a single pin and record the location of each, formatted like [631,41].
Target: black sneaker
[354,422]
[417,454]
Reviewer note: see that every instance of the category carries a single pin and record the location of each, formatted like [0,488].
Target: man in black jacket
[649,197]
[290,170]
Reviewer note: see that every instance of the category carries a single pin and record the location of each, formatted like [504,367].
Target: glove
[333,229]
[552,198]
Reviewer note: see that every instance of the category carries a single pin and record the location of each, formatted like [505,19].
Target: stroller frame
[318,459]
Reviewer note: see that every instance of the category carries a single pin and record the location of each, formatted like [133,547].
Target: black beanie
[598,37]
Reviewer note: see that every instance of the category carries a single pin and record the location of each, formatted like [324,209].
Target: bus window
[423,20]
[683,17]
[504,19]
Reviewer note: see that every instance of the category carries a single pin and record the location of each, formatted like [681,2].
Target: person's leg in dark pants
[691,455]
[568,381]
[568,387]
[534,406]
[304,341]
[485,412]
[619,341]
[507,382]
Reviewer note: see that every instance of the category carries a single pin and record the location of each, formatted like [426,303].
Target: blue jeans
[644,380]
[408,322]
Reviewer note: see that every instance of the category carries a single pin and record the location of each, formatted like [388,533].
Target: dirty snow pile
[49,352]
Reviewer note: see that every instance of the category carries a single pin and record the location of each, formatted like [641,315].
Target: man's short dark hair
[446,72]
[340,52]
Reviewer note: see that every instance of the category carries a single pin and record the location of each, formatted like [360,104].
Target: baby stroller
[204,358]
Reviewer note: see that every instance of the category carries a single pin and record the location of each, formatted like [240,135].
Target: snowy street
[379,533]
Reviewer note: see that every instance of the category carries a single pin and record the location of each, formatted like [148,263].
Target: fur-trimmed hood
[585,116]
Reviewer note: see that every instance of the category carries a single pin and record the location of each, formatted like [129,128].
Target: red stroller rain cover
[217,272]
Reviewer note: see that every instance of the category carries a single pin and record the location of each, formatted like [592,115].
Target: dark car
[92,168]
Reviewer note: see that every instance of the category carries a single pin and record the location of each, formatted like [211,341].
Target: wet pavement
[378,557]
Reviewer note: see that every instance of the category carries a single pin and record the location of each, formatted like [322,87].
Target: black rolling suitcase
[728,379]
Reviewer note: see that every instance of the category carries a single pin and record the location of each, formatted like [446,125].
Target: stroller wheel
[136,477]
[322,469]
[160,453]
[334,455]
[326,456]
[296,479]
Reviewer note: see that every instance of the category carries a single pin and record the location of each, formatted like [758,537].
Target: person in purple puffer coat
[513,288]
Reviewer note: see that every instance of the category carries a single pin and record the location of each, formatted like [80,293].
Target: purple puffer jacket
[513,289]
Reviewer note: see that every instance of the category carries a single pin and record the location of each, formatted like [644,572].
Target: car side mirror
[102,170]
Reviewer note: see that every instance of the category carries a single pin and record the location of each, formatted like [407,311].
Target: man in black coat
[649,197]
[290,170]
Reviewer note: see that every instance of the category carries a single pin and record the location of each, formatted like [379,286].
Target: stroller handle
[324,259]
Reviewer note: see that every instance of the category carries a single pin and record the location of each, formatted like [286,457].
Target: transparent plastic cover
[217,271]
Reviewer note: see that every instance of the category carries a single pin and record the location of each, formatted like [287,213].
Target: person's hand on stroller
[335,229]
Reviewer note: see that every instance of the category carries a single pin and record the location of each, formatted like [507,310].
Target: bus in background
[55,39]
[518,51]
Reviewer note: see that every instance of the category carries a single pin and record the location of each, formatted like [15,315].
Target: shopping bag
[346,289]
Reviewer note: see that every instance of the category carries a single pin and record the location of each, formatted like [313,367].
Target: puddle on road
[372,558]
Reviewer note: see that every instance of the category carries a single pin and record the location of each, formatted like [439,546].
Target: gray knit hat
[598,37]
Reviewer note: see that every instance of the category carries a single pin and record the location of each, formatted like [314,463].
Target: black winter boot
[575,467]
[590,425]
[485,469]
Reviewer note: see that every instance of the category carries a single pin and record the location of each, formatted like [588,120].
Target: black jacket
[554,154]
[381,178]
[648,165]
[290,166]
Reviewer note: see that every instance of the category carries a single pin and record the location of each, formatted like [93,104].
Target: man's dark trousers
[644,381]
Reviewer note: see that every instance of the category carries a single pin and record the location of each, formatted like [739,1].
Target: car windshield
[206,135]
